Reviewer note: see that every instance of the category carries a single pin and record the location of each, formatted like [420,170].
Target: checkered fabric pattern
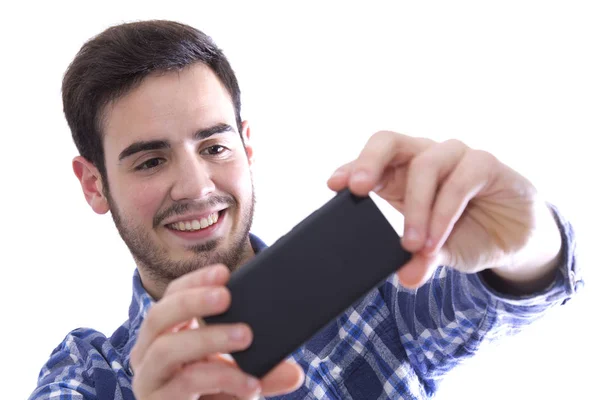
[393,343]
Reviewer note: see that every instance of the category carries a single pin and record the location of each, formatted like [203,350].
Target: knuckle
[210,340]
[455,143]
[380,135]
[422,161]
[152,320]
[160,350]
[187,304]
[384,138]
[482,158]
[425,142]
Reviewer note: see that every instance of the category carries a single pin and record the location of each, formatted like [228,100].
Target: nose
[193,179]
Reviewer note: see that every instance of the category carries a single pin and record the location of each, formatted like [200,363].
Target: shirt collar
[141,302]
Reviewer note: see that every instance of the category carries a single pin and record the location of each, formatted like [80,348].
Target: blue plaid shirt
[392,344]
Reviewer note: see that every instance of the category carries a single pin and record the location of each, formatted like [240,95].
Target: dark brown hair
[116,60]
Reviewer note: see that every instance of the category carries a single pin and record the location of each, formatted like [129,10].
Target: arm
[64,376]
[504,264]
[536,266]
[452,315]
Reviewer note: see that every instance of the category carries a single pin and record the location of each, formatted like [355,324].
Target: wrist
[534,267]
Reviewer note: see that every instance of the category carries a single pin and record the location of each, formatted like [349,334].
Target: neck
[156,286]
[247,255]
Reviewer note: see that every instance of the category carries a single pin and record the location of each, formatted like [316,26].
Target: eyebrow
[148,145]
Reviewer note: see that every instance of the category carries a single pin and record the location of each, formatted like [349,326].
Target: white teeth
[195,225]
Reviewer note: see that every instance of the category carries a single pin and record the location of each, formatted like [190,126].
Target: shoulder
[82,364]
[87,343]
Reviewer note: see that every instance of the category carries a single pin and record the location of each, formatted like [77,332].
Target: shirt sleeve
[64,376]
[452,315]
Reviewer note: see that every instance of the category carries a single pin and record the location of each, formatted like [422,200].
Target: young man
[154,109]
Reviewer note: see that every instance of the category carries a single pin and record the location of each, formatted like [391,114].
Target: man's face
[181,192]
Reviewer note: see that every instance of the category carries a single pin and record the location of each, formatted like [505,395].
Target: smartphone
[288,292]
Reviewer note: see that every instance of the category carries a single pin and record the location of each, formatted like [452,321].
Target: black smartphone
[288,292]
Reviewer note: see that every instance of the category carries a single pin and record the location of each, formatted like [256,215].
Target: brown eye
[215,150]
[149,164]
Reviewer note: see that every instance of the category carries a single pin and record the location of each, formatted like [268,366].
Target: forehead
[171,106]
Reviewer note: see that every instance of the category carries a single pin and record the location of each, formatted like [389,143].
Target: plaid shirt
[392,344]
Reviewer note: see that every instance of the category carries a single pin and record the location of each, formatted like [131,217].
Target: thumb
[286,377]
[418,270]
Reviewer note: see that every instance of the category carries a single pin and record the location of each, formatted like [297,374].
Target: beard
[155,260]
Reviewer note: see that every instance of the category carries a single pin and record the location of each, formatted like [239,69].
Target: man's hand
[462,208]
[176,356]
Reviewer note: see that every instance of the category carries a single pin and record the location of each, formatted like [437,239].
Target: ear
[91,184]
[247,142]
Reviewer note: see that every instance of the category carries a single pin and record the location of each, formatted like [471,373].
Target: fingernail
[429,244]
[237,333]
[360,176]
[409,278]
[252,383]
[411,234]
[213,296]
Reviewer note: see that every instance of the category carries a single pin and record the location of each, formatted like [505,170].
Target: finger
[204,378]
[425,175]
[193,323]
[339,178]
[286,377]
[418,270]
[175,309]
[384,149]
[213,275]
[470,177]
[391,175]
[170,352]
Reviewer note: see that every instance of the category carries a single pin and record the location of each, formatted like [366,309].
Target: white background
[517,78]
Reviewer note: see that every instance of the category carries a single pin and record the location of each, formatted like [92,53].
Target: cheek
[142,200]
[235,180]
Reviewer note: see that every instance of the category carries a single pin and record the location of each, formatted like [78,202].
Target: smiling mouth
[195,225]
